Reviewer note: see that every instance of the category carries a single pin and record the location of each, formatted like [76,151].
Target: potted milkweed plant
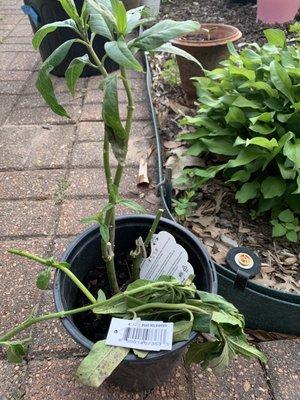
[136,313]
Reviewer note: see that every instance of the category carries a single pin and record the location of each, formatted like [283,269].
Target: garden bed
[219,220]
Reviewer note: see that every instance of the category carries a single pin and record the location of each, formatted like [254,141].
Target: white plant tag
[140,335]
[167,258]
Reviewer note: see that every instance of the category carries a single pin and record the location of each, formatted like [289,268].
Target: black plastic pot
[133,374]
[264,308]
[41,12]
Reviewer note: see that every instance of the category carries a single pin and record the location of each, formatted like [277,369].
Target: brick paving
[50,176]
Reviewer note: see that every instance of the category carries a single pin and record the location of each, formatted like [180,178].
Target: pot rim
[89,235]
[234,36]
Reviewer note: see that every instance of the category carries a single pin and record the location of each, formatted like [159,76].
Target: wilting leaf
[100,363]
[16,352]
[74,71]
[198,352]
[182,330]
[43,279]
[131,204]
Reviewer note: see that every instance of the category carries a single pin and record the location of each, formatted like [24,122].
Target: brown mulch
[219,220]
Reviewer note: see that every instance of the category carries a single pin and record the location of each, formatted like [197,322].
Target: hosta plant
[164,299]
[249,119]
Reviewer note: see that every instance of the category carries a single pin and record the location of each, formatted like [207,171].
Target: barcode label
[140,335]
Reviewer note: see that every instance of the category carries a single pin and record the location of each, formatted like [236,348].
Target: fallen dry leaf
[247,386]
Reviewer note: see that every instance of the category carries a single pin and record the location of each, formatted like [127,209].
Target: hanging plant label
[167,258]
[140,335]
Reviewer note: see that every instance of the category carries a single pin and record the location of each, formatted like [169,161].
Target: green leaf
[114,305]
[101,295]
[261,128]
[74,71]
[244,157]
[196,149]
[246,73]
[260,86]
[122,55]
[219,363]
[264,117]
[135,18]
[202,323]
[248,191]
[221,317]
[262,142]
[162,32]
[131,204]
[43,279]
[48,28]
[235,115]
[220,146]
[286,216]
[16,352]
[100,363]
[119,12]
[169,48]
[275,37]
[281,80]
[70,8]
[198,352]
[292,151]
[242,347]
[273,186]
[241,175]
[292,236]
[44,84]
[101,21]
[182,330]
[241,101]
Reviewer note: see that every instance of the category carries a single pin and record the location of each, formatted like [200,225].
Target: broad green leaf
[286,216]
[102,21]
[275,37]
[225,318]
[235,115]
[220,146]
[137,17]
[70,8]
[248,191]
[16,352]
[198,352]
[131,204]
[119,12]
[169,48]
[182,330]
[100,363]
[273,186]
[217,300]
[114,305]
[74,71]
[250,75]
[292,236]
[48,28]
[202,323]
[243,158]
[260,86]
[281,80]
[243,102]
[262,142]
[263,129]
[162,32]
[122,55]
[137,284]
[43,279]
[292,151]
[241,346]
[241,175]
[196,149]
[284,117]
[264,117]
[219,363]
[44,84]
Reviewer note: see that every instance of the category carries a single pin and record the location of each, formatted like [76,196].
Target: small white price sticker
[140,335]
[167,258]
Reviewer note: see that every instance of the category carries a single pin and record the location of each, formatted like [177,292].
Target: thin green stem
[57,265]
[138,257]
[163,306]
[34,320]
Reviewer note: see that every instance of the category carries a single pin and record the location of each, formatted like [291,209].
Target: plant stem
[34,320]
[166,306]
[137,260]
[58,265]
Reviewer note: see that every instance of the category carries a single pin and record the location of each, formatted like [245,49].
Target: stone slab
[54,379]
[92,112]
[89,154]
[12,380]
[74,210]
[34,146]
[41,184]
[18,291]
[27,218]
[283,368]
[6,104]
[243,380]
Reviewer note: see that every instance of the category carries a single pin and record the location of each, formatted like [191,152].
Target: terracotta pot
[208,52]
[129,4]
